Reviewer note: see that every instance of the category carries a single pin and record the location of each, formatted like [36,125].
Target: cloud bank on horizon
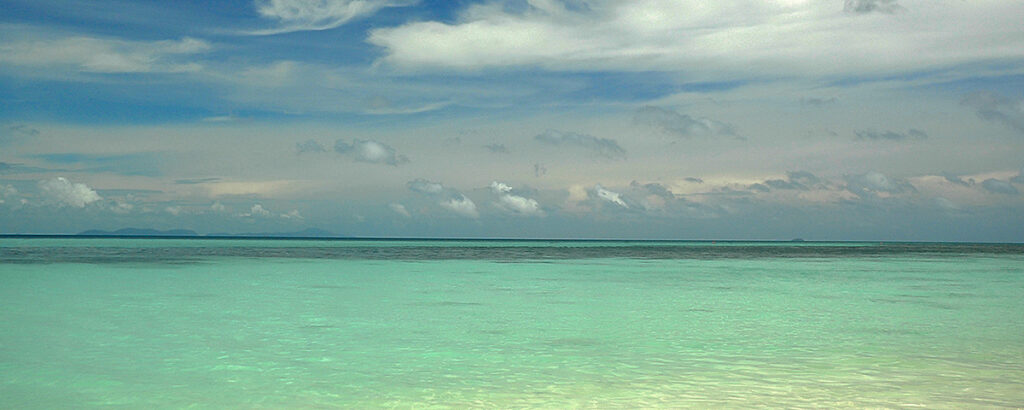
[738,119]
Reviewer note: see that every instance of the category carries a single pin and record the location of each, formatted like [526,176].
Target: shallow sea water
[162,323]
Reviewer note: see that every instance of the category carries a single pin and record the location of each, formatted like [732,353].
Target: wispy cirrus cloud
[314,15]
[714,39]
[103,55]
[875,135]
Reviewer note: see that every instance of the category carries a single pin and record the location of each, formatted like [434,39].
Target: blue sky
[739,119]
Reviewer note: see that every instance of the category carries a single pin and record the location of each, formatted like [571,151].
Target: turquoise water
[130,323]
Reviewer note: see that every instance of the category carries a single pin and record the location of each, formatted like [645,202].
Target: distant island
[179,233]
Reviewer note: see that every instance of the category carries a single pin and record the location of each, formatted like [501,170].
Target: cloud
[717,38]
[609,196]
[515,204]
[217,207]
[604,147]
[957,180]
[817,102]
[293,215]
[190,181]
[694,180]
[461,205]
[257,210]
[795,180]
[539,170]
[891,135]
[447,198]
[425,187]
[370,151]
[173,210]
[305,15]
[872,183]
[1019,179]
[871,6]
[9,194]
[62,192]
[996,107]
[681,125]
[309,146]
[400,209]
[999,187]
[497,148]
[102,55]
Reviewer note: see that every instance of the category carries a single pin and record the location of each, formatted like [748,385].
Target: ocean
[263,323]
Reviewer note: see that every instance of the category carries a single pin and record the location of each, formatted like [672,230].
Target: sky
[645,119]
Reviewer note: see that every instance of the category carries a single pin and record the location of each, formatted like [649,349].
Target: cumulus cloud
[604,147]
[890,135]
[461,205]
[257,210]
[872,183]
[100,55]
[447,198]
[424,186]
[62,192]
[871,6]
[309,146]
[609,196]
[997,107]
[999,187]
[8,194]
[217,207]
[513,203]
[370,151]
[680,125]
[293,215]
[400,209]
[305,15]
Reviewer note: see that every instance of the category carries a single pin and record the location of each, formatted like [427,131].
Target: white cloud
[173,210]
[8,194]
[258,210]
[293,214]
[217,207]
[303,15]
[62,192]
[515,204]
[102,55]
[370,151]
[400,209]
[713,38]
[610,196]
[425,187]
[873,183]
[461,205]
